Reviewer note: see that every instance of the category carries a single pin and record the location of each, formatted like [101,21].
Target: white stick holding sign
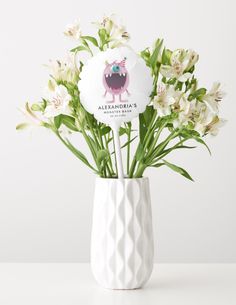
[115,86]
[119,163]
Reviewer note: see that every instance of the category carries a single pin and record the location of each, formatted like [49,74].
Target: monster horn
[122,63]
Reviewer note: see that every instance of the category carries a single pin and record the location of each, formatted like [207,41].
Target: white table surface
[170,284]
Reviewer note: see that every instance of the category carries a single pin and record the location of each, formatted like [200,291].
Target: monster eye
[115,68]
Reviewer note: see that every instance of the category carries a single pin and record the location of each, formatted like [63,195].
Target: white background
[46,194]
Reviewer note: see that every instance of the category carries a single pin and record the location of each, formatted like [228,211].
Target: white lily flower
[31,117]
[181,61]
[119,37]
[65,70]
[175,71]
[117,32]
[73,30]
[58,101]
[185,111]
[191,57]
[203,116]
[215,125]
[164,99]
[213,97]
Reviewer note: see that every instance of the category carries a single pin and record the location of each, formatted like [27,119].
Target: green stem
[165,153]
[91,130]
[132,168]
[150,128]
[128,148]
[147,137]
[142,166]
[106,166]
[90,146]
[70,148]
[158,133]
[109,159]
[140,170]
[161,146]
[116,173]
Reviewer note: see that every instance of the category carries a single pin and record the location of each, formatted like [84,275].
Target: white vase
[122,236]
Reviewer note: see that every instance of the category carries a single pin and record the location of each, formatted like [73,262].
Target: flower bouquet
[179,110]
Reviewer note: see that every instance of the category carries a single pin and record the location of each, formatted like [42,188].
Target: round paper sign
[115,86]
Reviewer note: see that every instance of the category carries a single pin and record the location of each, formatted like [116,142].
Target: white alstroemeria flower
[185,111]
[175,71]
[213,97]
[119,36]
[65,70]
[203,116]
[58,101]
[117,32]
[73,30]
[106,23]
[32,119]
[164,99]
[181,61]
[191,57]
[215,125]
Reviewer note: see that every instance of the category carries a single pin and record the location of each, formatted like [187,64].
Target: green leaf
[140,152]
[157,165]
[103,36]
[199,140]
[154,56]
[126,143]
[186,133]
[80,48]
[166,55]
[148,114]
[77,153]
[144,121]
[102,155]
[36,107]
[145,54]
[191,70]
[178,169]
[185,146]
[167,151]
[129,124]
[122,131]
[93,40]
[105,130]
[69,122]
[22,126]
[171,81]
[27,108]
[93,144]
[142,127]
[58,121]
[197,94]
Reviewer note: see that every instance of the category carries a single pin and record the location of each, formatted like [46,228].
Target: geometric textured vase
[122,235]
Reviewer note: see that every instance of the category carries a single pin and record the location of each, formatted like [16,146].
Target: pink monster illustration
[116,80]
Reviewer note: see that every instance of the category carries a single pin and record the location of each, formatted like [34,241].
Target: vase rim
[125,178]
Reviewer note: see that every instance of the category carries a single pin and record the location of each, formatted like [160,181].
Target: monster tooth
[120,74]
[110,75]
[106,75]
[123,74]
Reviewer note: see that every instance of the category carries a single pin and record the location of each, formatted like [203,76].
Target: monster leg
[113,99]
[127,92]
[124,101]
